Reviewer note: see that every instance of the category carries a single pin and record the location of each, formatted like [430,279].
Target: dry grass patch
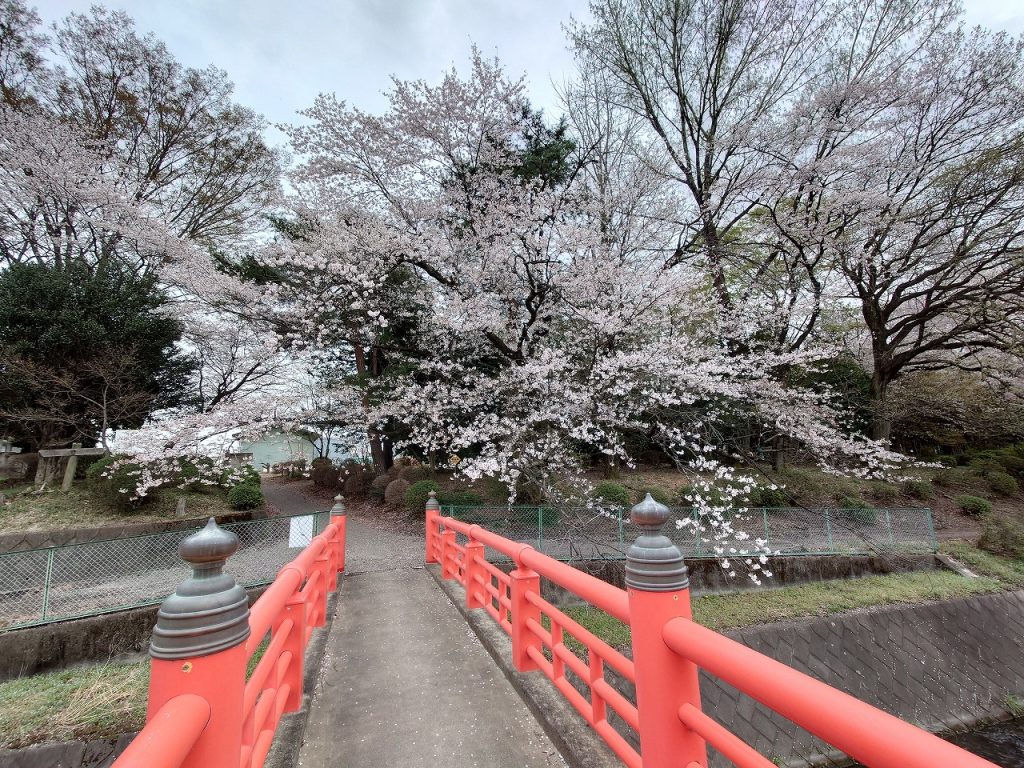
[94,702]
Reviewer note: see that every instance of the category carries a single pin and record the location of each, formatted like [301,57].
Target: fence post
[433,511]
[339,519]
[475,549]
[198,646]
[828,532]
[657,583]
[888,522]
[47,578]
[523,580]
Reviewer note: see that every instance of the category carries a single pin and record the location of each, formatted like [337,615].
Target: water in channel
[1002,743]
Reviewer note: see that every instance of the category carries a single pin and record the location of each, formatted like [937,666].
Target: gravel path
[367,548]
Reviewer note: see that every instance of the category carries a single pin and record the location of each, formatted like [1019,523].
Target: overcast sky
[280,55]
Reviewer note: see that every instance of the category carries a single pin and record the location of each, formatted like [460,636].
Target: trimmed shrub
[918,489]
[985,465]
[768,497]
[613,493]
[459,498]
[858,510]
[1003,483]
[415,473]
[885,493]
[1011,462]
[955,477]
[378,485]
[417,494]
[245,496]
[973,505]
[1003,535]
[659,494]
[356,485]
[117,487]
[394,493]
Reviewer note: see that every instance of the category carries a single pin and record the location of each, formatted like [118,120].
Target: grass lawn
[741,609]
[80,703]
[81,508]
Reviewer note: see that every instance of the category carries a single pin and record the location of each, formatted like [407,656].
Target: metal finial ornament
[432,502]
[339,505]
[653,562]
[208,612]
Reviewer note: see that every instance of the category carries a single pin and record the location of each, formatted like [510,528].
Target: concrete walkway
[405,683]
[367,548]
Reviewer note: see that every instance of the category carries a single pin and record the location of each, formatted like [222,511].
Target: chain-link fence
[588,534]
[39,586]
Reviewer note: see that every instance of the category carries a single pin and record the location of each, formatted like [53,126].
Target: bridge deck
[405,683]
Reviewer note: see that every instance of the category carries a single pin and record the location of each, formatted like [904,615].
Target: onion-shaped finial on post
[432,502]
[653,562]
[339,505]
[208,612]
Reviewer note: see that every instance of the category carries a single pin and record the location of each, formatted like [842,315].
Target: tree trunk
[881,421]
[780,453]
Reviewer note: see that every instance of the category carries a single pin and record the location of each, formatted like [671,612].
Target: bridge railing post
[523,581]
[658,587]
[474,550]
[198,646]
[338,520]
[433,511]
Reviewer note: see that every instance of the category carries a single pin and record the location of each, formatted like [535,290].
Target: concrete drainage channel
[101,638]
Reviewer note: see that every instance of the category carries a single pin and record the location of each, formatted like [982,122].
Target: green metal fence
[581,533]
[39,586]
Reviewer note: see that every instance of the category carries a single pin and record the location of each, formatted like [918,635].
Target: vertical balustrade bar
[449,567]
[296,610]
[658,587]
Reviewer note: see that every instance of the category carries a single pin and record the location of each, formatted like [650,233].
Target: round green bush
[955,477]
[612,493]
[245,496]
[116,486]
[1003,535]
[417,494]
[985,465]
[768,497]
[659,494]
[356,484]
[884,493]
[415,473]
[378,485]
[1003,483]
[973,505]
[918,489]
[394,494]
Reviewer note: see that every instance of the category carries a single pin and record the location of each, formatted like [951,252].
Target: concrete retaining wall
[13,542]
[97,638]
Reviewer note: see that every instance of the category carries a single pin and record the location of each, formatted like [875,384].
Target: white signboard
[300,531]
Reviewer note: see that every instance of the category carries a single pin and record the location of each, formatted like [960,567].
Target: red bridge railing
[667,649]
[203,712]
